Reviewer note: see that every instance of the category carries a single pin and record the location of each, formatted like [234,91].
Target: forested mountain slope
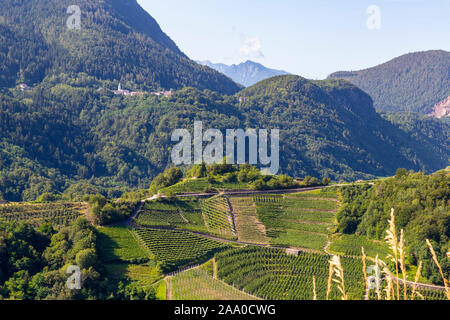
[59,136]
[331,126]
[117,40]
[412,82]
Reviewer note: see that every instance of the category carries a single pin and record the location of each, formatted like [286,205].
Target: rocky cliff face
[442,109]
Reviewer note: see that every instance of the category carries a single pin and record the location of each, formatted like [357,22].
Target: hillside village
[123,92]
[162,93]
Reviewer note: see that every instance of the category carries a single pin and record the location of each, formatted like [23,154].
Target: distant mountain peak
[246,73]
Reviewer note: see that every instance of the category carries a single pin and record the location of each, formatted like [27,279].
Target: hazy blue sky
[310,38]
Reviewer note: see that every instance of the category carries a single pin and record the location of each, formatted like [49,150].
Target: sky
[310,38]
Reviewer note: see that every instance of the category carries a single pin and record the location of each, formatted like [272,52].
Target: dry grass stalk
[314,288]
[338,273]
[436,261]
[378,291]
[416,279]
[391,240]
[330,281]
[401,250]
[389,289]
[366,297]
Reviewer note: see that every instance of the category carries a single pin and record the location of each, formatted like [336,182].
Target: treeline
[34,265]
[219,173]
[106,212]
[421,203]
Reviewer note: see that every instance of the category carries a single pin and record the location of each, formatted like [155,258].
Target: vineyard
[218,217]
[182,214]
[59,213]
[426,294]
[248,228]
[271,274]
[350,245]
[175,248]
[275,198]
[298,220]
[199,284]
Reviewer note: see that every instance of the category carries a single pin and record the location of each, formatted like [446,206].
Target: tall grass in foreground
[392,290]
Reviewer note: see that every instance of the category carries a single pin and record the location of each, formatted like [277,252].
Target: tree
[326,181]
[400,173]
[197,171]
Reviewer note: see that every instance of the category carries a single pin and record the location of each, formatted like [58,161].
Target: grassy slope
[118,243]
[118,249]
[201,185]
[145,274]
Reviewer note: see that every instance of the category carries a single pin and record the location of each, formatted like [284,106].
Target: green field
[299,239]
[119,244]
[298,215]
[161,290]
[145,274]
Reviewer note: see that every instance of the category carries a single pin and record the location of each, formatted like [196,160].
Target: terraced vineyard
[297,220]
[248,227]
[350,245]
[177,248]
[198,284]
[271,274]
[57,213]
[218,217]
[182,214]
[270,198]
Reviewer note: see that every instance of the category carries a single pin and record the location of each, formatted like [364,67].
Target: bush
[86,258]
[49,197]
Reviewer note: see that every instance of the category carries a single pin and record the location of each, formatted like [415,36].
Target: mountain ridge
[412,82]
[246,73]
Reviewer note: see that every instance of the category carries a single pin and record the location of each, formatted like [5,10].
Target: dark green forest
[34,263]
[421,205]
[118,41]
[413,82]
